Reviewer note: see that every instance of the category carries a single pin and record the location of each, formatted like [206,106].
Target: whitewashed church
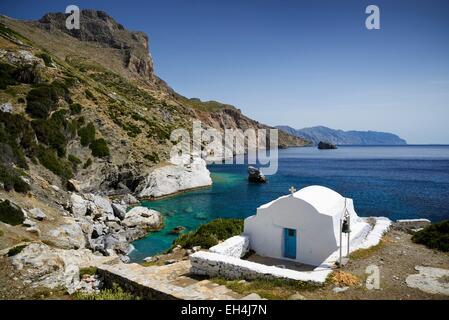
[305,226]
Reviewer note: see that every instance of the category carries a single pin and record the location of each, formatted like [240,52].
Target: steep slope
[340,137]
[113,116]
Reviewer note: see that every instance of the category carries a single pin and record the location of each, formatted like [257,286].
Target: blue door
[290,243]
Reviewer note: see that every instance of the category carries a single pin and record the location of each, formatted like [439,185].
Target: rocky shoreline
[92,229]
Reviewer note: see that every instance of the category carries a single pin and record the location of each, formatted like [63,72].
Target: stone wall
[218,265]
[236,247]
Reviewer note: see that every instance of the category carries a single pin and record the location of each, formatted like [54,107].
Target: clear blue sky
[300,63]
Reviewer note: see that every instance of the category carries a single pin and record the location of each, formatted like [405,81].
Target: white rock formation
[37,214]
[178,176]
[53,268]
[430,280]
[142,217]
[69,235]
[78,205]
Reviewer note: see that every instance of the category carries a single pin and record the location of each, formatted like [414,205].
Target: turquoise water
[397,182]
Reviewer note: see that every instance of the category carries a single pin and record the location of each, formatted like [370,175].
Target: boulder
[29,223]
[103,204]
[255,175]
[78,205]
[142,217]
[68,235]
[73,185]
[119,210]
[34,230]
[175,178]
[129,199]
[37,214]
[53,268]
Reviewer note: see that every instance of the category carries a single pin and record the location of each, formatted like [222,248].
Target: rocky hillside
[91,105]
[340,137]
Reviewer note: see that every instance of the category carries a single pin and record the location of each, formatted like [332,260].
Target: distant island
[340,137]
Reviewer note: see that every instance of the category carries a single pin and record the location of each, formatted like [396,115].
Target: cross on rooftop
[292,190]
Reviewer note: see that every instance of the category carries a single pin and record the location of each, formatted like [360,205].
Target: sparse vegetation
[10,213]
[47,59]
[90,95]
[153,157]
[75,108]
[435,236]
[75,161]
[209,234]
[87,164]
[116,293]
[49,159]
[273,289]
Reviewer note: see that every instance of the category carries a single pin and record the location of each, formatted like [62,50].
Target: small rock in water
[148,259]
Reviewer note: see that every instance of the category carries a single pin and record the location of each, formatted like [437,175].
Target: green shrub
[10,213]
[49,159]
[75,108]
[87,134]
[12,179]
[47,59]
[29,74]
[90,95]
[153,157]
[54,132]
[435,236]
[88,271]
[6,76]
[44,99]
[74,160]
[16,250]
[16,131]
[99,148]
[87,164]
[116,293]
[209,234]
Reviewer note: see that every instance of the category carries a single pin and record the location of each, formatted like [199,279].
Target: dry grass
[343,279]
[365,253]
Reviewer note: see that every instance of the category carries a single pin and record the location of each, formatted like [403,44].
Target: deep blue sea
[392,181]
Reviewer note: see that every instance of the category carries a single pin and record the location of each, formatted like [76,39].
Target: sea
[398,182]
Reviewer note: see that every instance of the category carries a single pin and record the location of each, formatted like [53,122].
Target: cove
[394,181]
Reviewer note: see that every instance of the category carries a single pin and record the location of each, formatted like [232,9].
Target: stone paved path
[173,280]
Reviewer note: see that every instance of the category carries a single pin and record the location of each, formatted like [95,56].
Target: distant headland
[340,137]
